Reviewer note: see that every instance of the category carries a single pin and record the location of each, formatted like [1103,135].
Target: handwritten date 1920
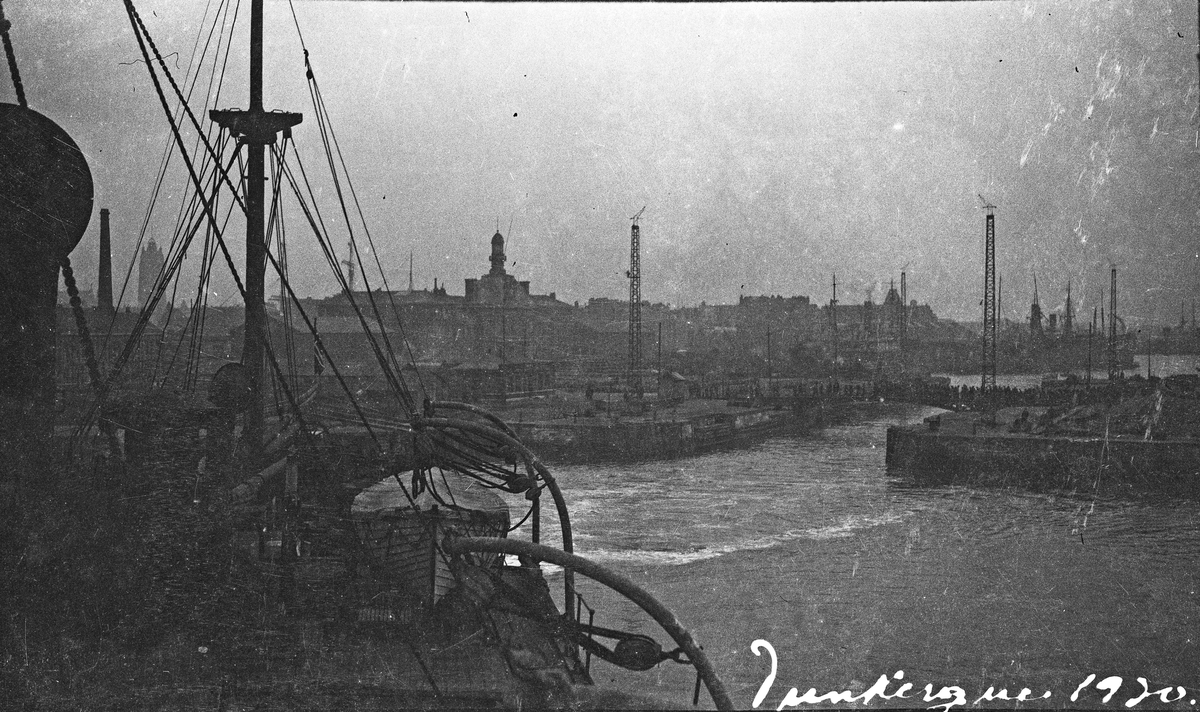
[948,696]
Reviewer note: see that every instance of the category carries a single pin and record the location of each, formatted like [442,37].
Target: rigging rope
[276,223]
[212,155]
[208,253]
[326,128]
[143,38]
[165,160]
[320,345]
[331,259]
[329,140]
[167,153]
[384,355]
[144,317]
[85,341]
[12,59]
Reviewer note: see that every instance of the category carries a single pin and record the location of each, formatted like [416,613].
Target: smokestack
[104,300]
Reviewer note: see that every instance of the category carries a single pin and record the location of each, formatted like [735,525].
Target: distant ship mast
[1114,365]
[1069,314]
[1035,311]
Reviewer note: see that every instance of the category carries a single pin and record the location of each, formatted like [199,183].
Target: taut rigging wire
[18,86]
[164,162]
[320,345]
[208,254]
[143,319]
[469,461]
[210,153]
[313,217]
[167,153]
[323,121]
[331,145]
[277,223]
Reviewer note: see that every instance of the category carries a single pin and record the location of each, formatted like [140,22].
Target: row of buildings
[529,342]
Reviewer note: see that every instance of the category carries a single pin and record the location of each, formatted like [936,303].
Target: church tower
[497,287]
[497,258]
[149,267]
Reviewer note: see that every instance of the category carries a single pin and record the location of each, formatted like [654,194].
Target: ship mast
[255,128]
[1114,366]
[1069,316]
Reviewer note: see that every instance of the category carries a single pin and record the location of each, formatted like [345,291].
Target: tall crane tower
[635,306]
[988,376]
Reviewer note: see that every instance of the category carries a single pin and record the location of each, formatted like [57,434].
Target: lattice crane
[988,375]
[635,307]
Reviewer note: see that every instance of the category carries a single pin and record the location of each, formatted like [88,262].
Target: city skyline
[774,145]
[1020,314]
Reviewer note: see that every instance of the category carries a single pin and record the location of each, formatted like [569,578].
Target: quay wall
[618,440]
[1083,464]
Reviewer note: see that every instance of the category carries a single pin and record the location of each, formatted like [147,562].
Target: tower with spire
[150,265]
[497,287]
[893,313]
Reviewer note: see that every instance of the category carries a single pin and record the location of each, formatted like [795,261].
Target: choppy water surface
[808,543]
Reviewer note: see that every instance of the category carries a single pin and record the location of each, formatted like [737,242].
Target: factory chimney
[104,300]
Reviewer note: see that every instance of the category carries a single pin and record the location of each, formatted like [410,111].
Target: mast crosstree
[256,129]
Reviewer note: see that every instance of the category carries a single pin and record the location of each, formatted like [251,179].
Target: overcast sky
[773,145]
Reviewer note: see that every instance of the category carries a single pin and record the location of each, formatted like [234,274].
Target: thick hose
[615,581]
[560,504]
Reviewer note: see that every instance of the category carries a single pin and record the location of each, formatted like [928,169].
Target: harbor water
[851,573]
